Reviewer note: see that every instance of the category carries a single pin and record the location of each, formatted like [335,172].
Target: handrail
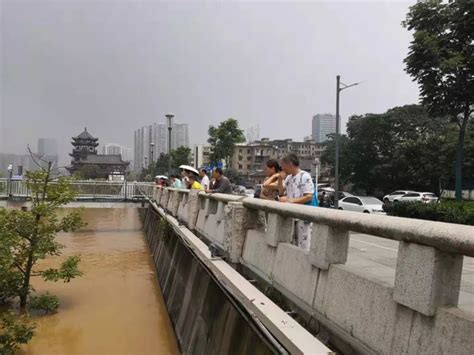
[448,237]
[222,197]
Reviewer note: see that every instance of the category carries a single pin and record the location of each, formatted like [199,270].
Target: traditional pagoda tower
[84,157]
[84,144]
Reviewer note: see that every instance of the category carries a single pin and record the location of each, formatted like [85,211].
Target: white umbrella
[189,168]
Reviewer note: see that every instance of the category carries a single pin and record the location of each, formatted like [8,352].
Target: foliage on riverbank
[26,237]
[14,331]
[446,211]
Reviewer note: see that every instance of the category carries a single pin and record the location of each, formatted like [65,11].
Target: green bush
[451,212]
[14,331]
[45,302]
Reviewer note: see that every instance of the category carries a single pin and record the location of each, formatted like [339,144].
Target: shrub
[450,212]
[45,302]
[14,331]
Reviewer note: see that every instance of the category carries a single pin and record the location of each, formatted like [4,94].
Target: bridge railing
[87,189]
[368,312]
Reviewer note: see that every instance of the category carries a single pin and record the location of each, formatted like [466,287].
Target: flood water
[116,307]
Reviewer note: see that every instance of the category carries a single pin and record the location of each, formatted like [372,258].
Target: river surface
[116,307]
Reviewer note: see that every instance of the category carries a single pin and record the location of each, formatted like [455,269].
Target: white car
[395,196]
[365,204]
[425,197]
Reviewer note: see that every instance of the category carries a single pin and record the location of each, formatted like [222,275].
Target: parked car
[425,197]
[395,196]
[365,204]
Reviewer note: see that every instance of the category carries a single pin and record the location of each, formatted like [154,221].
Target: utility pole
[152,145]
[10,176]
[169,118]
[336,167]
[338,129]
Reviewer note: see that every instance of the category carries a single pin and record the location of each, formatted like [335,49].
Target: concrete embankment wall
[208,316]
[412,312]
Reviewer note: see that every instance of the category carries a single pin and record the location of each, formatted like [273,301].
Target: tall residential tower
[150,141]
[323,125]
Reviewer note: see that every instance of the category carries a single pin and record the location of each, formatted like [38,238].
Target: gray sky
[114,66]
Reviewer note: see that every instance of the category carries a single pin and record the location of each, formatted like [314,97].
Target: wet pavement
[116,307]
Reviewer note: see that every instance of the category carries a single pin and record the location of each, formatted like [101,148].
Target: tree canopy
[223,138]
[181,156]
[401,148]
[441,60]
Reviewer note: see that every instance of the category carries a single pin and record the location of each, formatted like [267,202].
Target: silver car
[395,196]
[365,204]
[424,197]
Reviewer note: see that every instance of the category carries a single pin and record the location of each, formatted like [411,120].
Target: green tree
[345,163]
[161,165]
[401,148]
[180,156]
[441,60]
[223,138]
[28,236]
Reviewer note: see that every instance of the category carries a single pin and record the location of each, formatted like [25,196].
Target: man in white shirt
[297,187]
[204,179]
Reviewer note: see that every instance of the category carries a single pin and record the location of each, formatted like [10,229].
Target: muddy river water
[116,307]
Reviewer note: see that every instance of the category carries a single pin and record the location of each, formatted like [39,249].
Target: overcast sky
[114,66]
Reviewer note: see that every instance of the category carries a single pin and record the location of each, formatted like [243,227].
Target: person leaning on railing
[220,183]
[296,186]
[270,184]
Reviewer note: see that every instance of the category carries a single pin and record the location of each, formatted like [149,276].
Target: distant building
[85,159]
[47,146]
[323,125]
[47,151]
[21,163]
[157,133]
[248,159]
[201,155]
[112,149]
[118,149]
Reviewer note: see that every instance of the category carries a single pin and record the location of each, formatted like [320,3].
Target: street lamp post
[10,175]
[338,128]
[152,145]
[169,121]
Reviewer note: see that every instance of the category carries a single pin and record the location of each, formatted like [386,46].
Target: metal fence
[86,189]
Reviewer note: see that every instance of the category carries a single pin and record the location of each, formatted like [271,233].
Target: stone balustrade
[417,314]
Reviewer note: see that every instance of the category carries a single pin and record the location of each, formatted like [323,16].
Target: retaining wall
[417,314]
[210,312]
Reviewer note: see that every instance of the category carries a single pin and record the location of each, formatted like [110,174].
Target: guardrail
[364,312]
[86,189]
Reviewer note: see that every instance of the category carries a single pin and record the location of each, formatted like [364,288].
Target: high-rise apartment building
[112,149]
[323,125]
[47,146]
[118,149]
[47,151]
[150,141]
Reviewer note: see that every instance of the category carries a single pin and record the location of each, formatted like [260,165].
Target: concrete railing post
[158,194]
[173,205]
[279,229]
[328,246]
[237,220]
[164,198]
[193,208]
[426,278]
